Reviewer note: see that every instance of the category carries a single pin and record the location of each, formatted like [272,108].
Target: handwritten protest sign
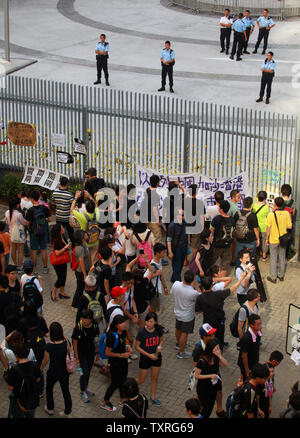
[21,134]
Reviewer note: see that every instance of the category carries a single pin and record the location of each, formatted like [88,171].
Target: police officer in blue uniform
[249,22]
[239,29]
[268,72]
[167,58]
[101,51]
[264,23]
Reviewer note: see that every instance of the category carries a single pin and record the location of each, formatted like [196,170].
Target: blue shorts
[38,242]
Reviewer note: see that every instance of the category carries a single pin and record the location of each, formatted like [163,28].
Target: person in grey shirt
[248,308]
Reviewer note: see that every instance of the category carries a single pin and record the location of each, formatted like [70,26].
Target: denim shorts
[38,242]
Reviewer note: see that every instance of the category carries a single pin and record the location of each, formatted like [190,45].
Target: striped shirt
[62,200]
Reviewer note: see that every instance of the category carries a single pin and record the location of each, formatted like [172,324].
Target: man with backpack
[93,300]
[89,222]
[242,402]
[246,229]
[31,286]
[103,272]
[158,279]
[22,380]
[114,307]
[221,229]
[37,218]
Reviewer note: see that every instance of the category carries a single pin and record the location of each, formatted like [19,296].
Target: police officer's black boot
[263,52]
[254,51]
[98,81]
[106,82]
[267,100]
[171,90]
[259,99]
[161,89]
[227,51]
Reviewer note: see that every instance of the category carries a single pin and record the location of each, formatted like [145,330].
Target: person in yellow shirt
[277,252]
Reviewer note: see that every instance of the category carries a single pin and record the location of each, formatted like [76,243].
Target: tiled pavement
[172,388]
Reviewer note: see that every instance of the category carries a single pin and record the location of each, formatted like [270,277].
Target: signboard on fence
[21,134]
[207,186]
[41,177]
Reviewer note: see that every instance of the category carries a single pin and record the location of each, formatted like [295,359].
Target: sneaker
[271,279]
[84,397]
[89,392]
[155,402]
[63,415]
[108,407]
[49,411]
[133,356]
[184,355]
[177,345]
[46,270]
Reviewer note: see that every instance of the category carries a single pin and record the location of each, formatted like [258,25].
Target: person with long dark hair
[149,341]
[56,352]
[208,376]
[82,256]
[59,247]
[117,358]
[34,329]
[16,222]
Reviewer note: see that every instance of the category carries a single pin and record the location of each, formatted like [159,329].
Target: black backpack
[224,239]
[31,293]
[109,311]
[235,320]
[28,398]
[39,224]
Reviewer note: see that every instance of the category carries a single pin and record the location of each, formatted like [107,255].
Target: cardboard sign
[79,147]
[21,134]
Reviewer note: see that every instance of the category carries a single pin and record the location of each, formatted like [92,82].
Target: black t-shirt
[58,244]
[84,302]
[251,348]
[218,223]
[16,288]
[252,223]
[26,369]
[198,350]
[86,338]
[102,272]
[136,408]
[121,347]
[10,303]
[248,399]
[149,341]
[37,328]
[93,185]
[57,353]
[211,304]
[206,369]
[139,294]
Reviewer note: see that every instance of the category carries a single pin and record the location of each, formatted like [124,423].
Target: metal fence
[166,134]
[279,9]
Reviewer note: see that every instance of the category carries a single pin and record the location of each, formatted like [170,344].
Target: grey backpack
[241,226]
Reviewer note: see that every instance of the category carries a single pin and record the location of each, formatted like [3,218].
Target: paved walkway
[172,388]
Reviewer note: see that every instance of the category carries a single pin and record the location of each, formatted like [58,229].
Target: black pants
[266,80]
[225,35]
[86,364]
[167,70]
[64,384]
[79,289]
[61,272]
[118,371]
[102,64]
[207,395]
[248,36]
[238,41]
[262,34]
[220,326]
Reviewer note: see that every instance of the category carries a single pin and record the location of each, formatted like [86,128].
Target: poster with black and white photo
[79,147]
[64,157]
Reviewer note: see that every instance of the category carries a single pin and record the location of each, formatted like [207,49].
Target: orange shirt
[5,239]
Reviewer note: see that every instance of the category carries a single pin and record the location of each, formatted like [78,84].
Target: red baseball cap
[117,291]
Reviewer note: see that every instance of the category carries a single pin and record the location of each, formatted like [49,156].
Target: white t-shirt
[156,280]
[26,204]
[238,272]
[185,297]
[211,212]
[225,20]
[130,250]
[115,312]
[17,219]
[220,285]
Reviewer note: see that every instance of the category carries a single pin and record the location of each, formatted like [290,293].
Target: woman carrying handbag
[59,259]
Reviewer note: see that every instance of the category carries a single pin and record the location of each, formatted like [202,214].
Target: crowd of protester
[117,259]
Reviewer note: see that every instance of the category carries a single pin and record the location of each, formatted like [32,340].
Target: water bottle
[79,371]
